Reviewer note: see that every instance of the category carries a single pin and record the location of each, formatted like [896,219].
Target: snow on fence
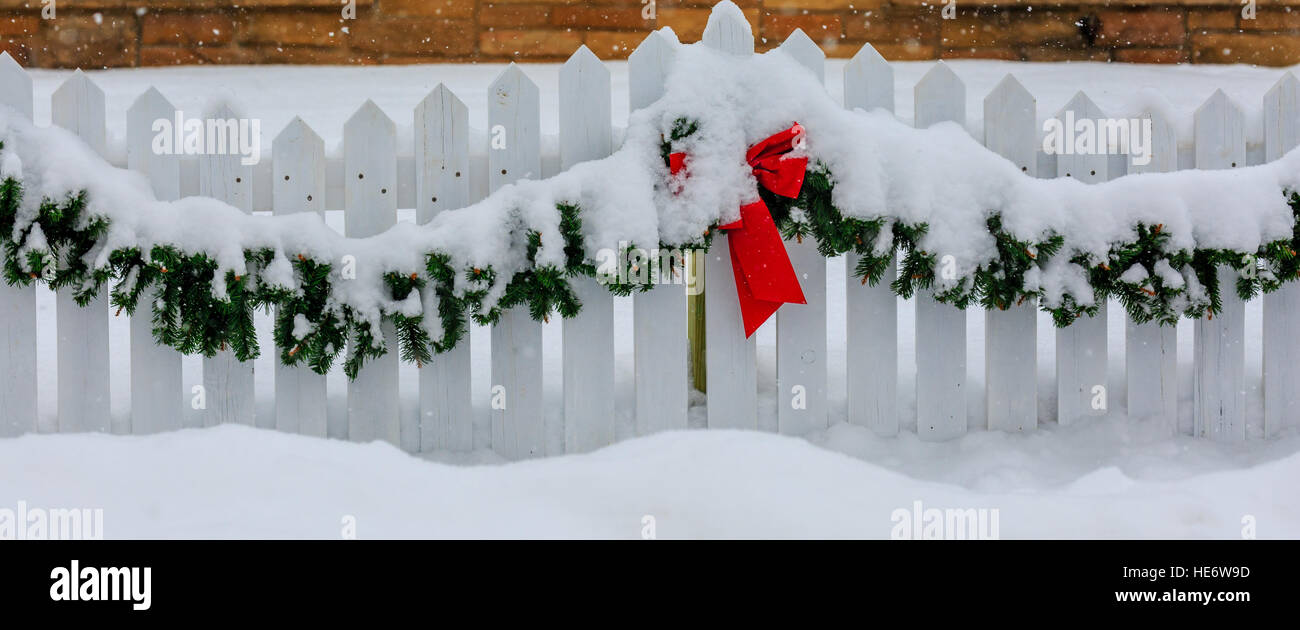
[371,181]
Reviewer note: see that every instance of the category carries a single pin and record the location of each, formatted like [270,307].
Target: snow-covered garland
[193,314]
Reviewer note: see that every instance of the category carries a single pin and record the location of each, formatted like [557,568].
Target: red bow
[765,279]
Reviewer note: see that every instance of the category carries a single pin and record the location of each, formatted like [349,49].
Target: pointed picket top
[151,100]
[647,68]
[1010,124]
[808,54]
[512,83]
[297,136]
[1089,167]
[939,96]
[370,115]
[585,117]
[439,104]
[1220,133]
[1082,106]
[1282,117]
[728,30]
[78,106]
[868,81]
[15,85]
[1163,145]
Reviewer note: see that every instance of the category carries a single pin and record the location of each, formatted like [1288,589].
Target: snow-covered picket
[933,196]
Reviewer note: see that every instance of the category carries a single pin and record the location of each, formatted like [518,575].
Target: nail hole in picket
[308,197]
[457,173]
[1234,165]
[434,200]
[286,178]
[1024,169]
[503,171]
[1092,172]
[383,191]
[238,179]
[361,175]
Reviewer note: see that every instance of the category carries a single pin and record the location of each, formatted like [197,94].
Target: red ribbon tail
[765,278]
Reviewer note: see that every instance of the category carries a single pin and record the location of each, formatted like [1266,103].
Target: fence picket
[1011,334]
[1151,350]
[227,382]
[1219,348]
[518,421]
[298,185]
[659,338]
[370,174]
[17,304]
[1281,324]
[732,359]
[871,312]
[1081,351]
[940,328]
[801,328]
[586,134]
[83,393]
[157,390]
[442,183]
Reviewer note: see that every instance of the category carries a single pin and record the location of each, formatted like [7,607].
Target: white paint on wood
[588,340]
[1081,350]
[940,369]
[731,358]
[442,181]
[17,304]
[659,337]
[370,152]
[1219,348]
[157,393]
[298,185]
[940,328]
[1151,350]
[83,391]
[803,50]
[227,382]
[1281,323]
[801,372]
[939,97]
[871,338]
[518,429]
[728,31]
[1011,333]
[869,81]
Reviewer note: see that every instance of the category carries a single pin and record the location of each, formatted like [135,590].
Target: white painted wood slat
[1011,334]
[1282,307]
[298,185]
[442,183]
[227,382]
[518,423]
[940,328]
[157,391]
[1081,347]
[586,133]
[370,175]
[871,312]
[83,389]
[17,304]
[659,337]
[1219,347]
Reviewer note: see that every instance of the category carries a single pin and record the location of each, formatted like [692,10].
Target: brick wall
[97,33]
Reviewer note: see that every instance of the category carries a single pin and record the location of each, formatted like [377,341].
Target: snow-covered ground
[1114,477]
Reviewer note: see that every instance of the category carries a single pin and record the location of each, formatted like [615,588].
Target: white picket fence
[371,181]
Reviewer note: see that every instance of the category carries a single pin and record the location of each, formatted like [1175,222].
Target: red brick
[1152,55]
[600,17]
[19,24]
[396,37]
[287,28]
[1264,50]
[426,8]
[186,29]
[1153,27]
[981,53]
[531,43]
[817,26]
[513,16]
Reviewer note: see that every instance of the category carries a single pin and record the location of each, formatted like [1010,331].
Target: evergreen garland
[197,312]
